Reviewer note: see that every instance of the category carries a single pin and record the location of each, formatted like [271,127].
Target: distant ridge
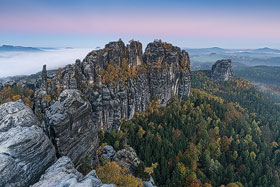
[267,50]
[11,48]
[218,50]
[210,50]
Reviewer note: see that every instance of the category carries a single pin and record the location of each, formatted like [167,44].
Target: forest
[224,134]
[261,74]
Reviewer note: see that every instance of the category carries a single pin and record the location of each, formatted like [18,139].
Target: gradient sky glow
[89,23]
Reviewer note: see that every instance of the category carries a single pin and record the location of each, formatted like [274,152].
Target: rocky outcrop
[44,77]
[108,152]
[63,173]
[120,80]
[25,151]
[222,70]
[69,124]
[150,183]
[127,159]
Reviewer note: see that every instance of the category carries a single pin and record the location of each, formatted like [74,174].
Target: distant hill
[208,65]
[267,50]
[200,51]
[222,51]
[11,48]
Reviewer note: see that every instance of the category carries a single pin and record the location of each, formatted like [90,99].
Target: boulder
[63,173]
[25,150]
[150,183]
[128,159]
[108,152]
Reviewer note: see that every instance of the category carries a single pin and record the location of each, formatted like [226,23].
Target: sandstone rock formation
[150,183]
[69,124]
[120,80]
[127,159]
[25,151]
[108,152]
[63,173]
[222,70]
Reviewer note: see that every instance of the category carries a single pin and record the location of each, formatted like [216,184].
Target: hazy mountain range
[19,60]
[11,48]
[203,58]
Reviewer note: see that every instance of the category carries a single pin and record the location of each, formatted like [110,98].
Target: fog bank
[25,63]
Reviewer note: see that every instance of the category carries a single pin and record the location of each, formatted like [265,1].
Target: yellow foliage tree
[16,97]
[274,144]
[253,155]
[112,173]
[236,184]
[141,132]
[47,98]
[150,170]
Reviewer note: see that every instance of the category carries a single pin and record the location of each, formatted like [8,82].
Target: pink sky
[144,25]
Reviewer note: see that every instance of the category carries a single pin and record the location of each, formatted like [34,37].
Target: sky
[185,23]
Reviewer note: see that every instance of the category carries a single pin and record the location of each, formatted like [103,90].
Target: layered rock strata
[70,126]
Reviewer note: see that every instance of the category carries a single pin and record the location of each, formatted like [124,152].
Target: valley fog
[25,63]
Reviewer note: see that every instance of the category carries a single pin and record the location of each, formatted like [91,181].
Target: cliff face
[120,80]
[70,126]
[222,70]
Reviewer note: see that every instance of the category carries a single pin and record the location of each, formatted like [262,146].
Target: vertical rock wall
[120,80]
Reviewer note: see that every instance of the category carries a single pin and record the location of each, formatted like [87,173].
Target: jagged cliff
[222,70]
[120,80]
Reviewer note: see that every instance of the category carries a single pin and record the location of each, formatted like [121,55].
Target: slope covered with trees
[226,133]
[261,74]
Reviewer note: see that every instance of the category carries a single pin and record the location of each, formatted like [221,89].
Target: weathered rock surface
[108,152]
[150,183]
[222,70]
[25,151]
[127,159]
[162,72]
[69,123]
[63,173]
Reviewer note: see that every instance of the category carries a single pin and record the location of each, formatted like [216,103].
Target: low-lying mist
[25,63]
[272,90]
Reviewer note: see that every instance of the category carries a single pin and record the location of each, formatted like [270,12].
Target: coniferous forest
[225,133]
